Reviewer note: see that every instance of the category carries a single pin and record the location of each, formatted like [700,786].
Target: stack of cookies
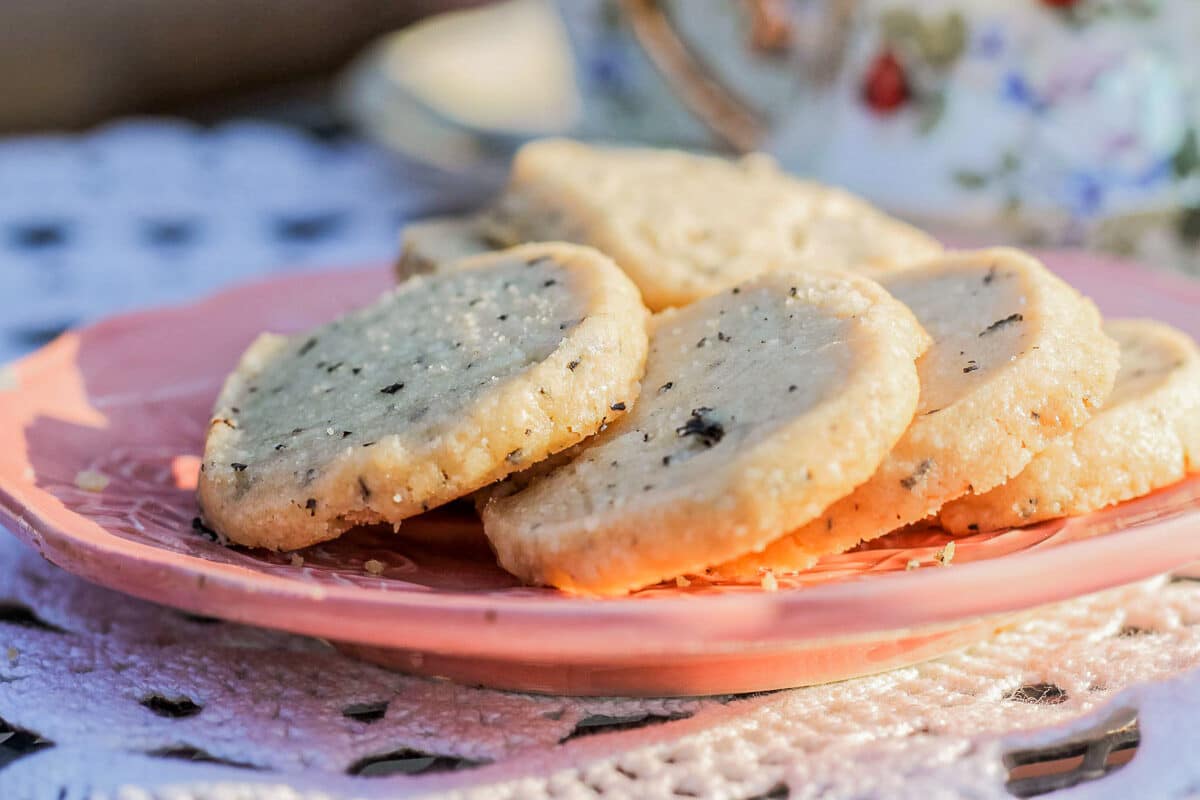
[644,365]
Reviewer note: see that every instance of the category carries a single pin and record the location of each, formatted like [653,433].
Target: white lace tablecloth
[104,696]
[150,212]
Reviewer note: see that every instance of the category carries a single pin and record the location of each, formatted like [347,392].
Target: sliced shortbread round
[427,245]
[685,226]
[760,407]
[1147,436]
[1018,359]
[445,384]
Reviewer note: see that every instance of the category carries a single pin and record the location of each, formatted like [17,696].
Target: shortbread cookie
[685,226]
[1147,436]
[430,244]
[445,384]
[1018,359]
[760,406]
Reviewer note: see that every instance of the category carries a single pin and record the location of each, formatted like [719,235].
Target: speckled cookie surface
[1147,436]
[1018,360]
[445,384]
[760,406]
[685,226]
[427,245]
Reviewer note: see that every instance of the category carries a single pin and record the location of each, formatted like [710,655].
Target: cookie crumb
[769,584]
[911,565]
[373,566]
[945,555]
[296,559]
[13,654]
[682,582]
[91,481]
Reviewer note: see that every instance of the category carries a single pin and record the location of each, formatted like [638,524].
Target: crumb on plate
[91,481]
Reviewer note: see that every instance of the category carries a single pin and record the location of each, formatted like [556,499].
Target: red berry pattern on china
[885,86]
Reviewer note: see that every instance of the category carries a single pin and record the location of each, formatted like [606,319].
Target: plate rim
[511,616]
[686,623]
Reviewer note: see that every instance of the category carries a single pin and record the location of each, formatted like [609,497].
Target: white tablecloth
[150,212]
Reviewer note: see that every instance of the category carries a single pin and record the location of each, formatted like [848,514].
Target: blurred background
[152,150]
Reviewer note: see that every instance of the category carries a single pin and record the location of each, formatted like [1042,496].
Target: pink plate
[129,398]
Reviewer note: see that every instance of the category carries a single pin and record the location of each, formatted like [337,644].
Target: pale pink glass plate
[130,398]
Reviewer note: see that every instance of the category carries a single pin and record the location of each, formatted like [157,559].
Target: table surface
[143,213]
[106,696]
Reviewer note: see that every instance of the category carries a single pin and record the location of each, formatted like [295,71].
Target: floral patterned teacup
[1060,120]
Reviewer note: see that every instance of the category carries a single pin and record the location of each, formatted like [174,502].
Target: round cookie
[1018,359]
[1147,437]
[685,226]
[760,407]
[445,384]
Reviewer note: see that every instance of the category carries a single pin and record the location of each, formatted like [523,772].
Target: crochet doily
[143,213]
[105,696]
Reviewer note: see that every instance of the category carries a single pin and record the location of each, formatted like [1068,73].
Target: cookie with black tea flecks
[445,384]
[1146,437]
[685,226]
[760,407]
[1018,360]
